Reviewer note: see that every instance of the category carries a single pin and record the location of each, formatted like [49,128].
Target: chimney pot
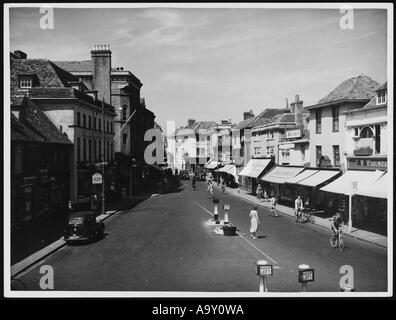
[297,97]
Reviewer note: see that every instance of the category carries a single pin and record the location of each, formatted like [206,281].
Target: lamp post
[103,157]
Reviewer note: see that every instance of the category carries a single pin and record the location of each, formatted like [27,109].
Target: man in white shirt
[298,206]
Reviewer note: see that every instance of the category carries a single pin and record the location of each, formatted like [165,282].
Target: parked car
[200,174]
[83,226]
[184,175]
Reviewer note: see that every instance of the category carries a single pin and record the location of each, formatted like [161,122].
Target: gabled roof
[265,117]
[383,86]
[356,88]
[38,123]
[21,132]
[48,74]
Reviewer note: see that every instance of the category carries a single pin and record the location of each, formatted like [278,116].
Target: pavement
[322,222]
[34,258]
[167,243]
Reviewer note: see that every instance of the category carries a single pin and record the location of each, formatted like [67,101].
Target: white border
[153,294]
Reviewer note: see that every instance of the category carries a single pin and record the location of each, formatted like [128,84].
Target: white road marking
[239,234]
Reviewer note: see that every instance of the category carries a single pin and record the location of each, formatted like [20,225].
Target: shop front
[250,174]
[362,211]
[275,183]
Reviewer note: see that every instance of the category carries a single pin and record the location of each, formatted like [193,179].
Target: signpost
[263,269]
[305,275]
[97,178]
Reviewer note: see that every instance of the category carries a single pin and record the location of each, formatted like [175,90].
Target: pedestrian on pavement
[273,206]
[259,192]
[265,195]
[210,189]
[194,183]
[254,222]
[298,206]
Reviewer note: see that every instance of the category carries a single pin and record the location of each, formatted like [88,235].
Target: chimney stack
[297,108]
[190,122]
[101,71]
[248,115]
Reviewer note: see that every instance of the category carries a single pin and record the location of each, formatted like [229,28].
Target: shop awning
[212,164]
[226,168]
[351,181]
[281,174]
[301,176]
[318,178]
[377,190]
[255,167]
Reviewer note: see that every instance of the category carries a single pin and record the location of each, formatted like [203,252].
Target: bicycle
[336,240]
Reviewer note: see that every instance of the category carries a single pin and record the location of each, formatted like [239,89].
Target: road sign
[264,270]
[226,207]
[97,178]
[306,275]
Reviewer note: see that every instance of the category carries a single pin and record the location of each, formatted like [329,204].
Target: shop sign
[367,163]
[293,134]
[286,146]
[97,178]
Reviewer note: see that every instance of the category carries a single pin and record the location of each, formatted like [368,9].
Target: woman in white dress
[254,222]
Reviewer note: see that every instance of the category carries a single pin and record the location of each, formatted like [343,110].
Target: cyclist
[298,206]
[336,223]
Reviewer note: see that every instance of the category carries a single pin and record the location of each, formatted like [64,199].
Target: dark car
[83,226]
[200,175]
[184,175]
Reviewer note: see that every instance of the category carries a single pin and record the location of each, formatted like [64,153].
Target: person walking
[273,206]
[259,192]
[210,190]
[254,222]
[194,183]
[298,206]
[265,195]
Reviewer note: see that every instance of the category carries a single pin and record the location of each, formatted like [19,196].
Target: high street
[165,244]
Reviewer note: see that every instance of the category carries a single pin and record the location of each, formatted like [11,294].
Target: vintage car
[200,174]
[184,175]
[83,226]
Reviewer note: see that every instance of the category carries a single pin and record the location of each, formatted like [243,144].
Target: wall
[327,138]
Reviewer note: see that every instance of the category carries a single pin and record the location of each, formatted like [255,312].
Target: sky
[214,64]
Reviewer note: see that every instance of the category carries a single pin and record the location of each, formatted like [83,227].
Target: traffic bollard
[263,269]
[215,211]
[305,275]
[226,208]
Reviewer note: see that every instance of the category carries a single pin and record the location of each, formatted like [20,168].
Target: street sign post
[263,269]
[97,178]
[305,275]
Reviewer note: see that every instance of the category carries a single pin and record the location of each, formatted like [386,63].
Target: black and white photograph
[198,150]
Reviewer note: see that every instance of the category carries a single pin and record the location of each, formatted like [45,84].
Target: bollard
[263,269]
[305,275]
[226,208]
[215,211]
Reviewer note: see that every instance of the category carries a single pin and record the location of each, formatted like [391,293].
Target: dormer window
[381,97]
[25,82]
